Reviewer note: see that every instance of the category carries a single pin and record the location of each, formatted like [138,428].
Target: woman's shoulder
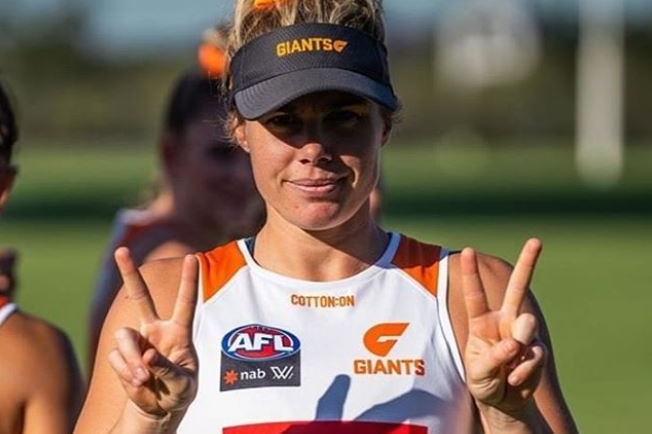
[162,275]
[493,269]
[34,339]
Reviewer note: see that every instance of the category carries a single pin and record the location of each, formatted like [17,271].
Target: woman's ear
[241,137]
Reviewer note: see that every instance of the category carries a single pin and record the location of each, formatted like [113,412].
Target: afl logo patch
[256,355]
[256,342]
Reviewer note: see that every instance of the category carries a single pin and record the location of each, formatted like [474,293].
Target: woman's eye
[283,120]
[344,116]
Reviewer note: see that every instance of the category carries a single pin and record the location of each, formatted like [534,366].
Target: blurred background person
[8,259]
[206,193]
[40,382]
[7,272]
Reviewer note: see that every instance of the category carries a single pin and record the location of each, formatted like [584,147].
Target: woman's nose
[315,151]
[315,148]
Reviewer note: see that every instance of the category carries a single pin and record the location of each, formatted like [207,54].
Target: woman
[40,382]
[322,322]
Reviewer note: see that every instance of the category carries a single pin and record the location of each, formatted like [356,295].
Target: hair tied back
[266,4]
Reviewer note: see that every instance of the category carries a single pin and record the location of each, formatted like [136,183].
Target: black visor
[287,63]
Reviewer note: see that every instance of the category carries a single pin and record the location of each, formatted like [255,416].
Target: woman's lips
[316,187]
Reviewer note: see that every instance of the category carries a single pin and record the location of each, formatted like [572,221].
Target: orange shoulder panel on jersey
[218,266]
[4,301]
[420,261]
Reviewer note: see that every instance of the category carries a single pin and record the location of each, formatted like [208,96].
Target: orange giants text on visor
[303,45]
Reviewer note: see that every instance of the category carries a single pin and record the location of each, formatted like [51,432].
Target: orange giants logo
[380,340]
[310,44]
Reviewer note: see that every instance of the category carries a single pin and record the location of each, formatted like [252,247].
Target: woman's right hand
[157,364]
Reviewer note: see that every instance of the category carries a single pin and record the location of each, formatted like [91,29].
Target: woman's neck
[320,255]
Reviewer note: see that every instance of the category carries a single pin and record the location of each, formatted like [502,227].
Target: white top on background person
[247,337]
[40,383]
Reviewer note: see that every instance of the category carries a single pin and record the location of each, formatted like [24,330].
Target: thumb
[176,385]
[502,353]
[160,366]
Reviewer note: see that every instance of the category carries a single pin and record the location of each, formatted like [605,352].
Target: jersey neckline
[384,262]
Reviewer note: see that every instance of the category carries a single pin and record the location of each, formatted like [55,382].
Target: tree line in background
[68,91]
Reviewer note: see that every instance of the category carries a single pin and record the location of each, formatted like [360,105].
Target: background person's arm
[54,388]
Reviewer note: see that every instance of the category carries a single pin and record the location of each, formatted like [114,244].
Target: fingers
[522,362]
[475,298]
[522,367]
[184,308]
[524,328]
[528,368]
[135,285]
[126,359]
[160,366]
[502,353]
[519,281]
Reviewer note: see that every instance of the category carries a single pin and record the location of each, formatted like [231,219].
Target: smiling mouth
[316,186]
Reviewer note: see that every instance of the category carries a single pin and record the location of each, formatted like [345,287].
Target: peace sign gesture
[157,364]
[503,359]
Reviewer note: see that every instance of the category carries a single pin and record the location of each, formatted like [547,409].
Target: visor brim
[273,93]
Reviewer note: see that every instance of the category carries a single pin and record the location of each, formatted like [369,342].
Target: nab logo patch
[260,356]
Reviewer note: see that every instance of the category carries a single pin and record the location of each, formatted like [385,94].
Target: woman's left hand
[503,359]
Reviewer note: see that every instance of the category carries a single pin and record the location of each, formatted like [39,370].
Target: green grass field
[593,280]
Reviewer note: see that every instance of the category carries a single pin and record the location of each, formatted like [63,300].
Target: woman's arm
[141,354]
[506,348]
[47,384]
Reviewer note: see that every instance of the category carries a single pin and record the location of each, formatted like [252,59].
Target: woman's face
[212,178]
[316,159]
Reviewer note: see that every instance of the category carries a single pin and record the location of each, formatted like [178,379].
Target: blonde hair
[251,21]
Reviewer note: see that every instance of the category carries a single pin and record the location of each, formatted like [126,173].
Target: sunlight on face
[316,159]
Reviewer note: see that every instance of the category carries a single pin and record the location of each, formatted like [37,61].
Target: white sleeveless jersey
[373,353]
